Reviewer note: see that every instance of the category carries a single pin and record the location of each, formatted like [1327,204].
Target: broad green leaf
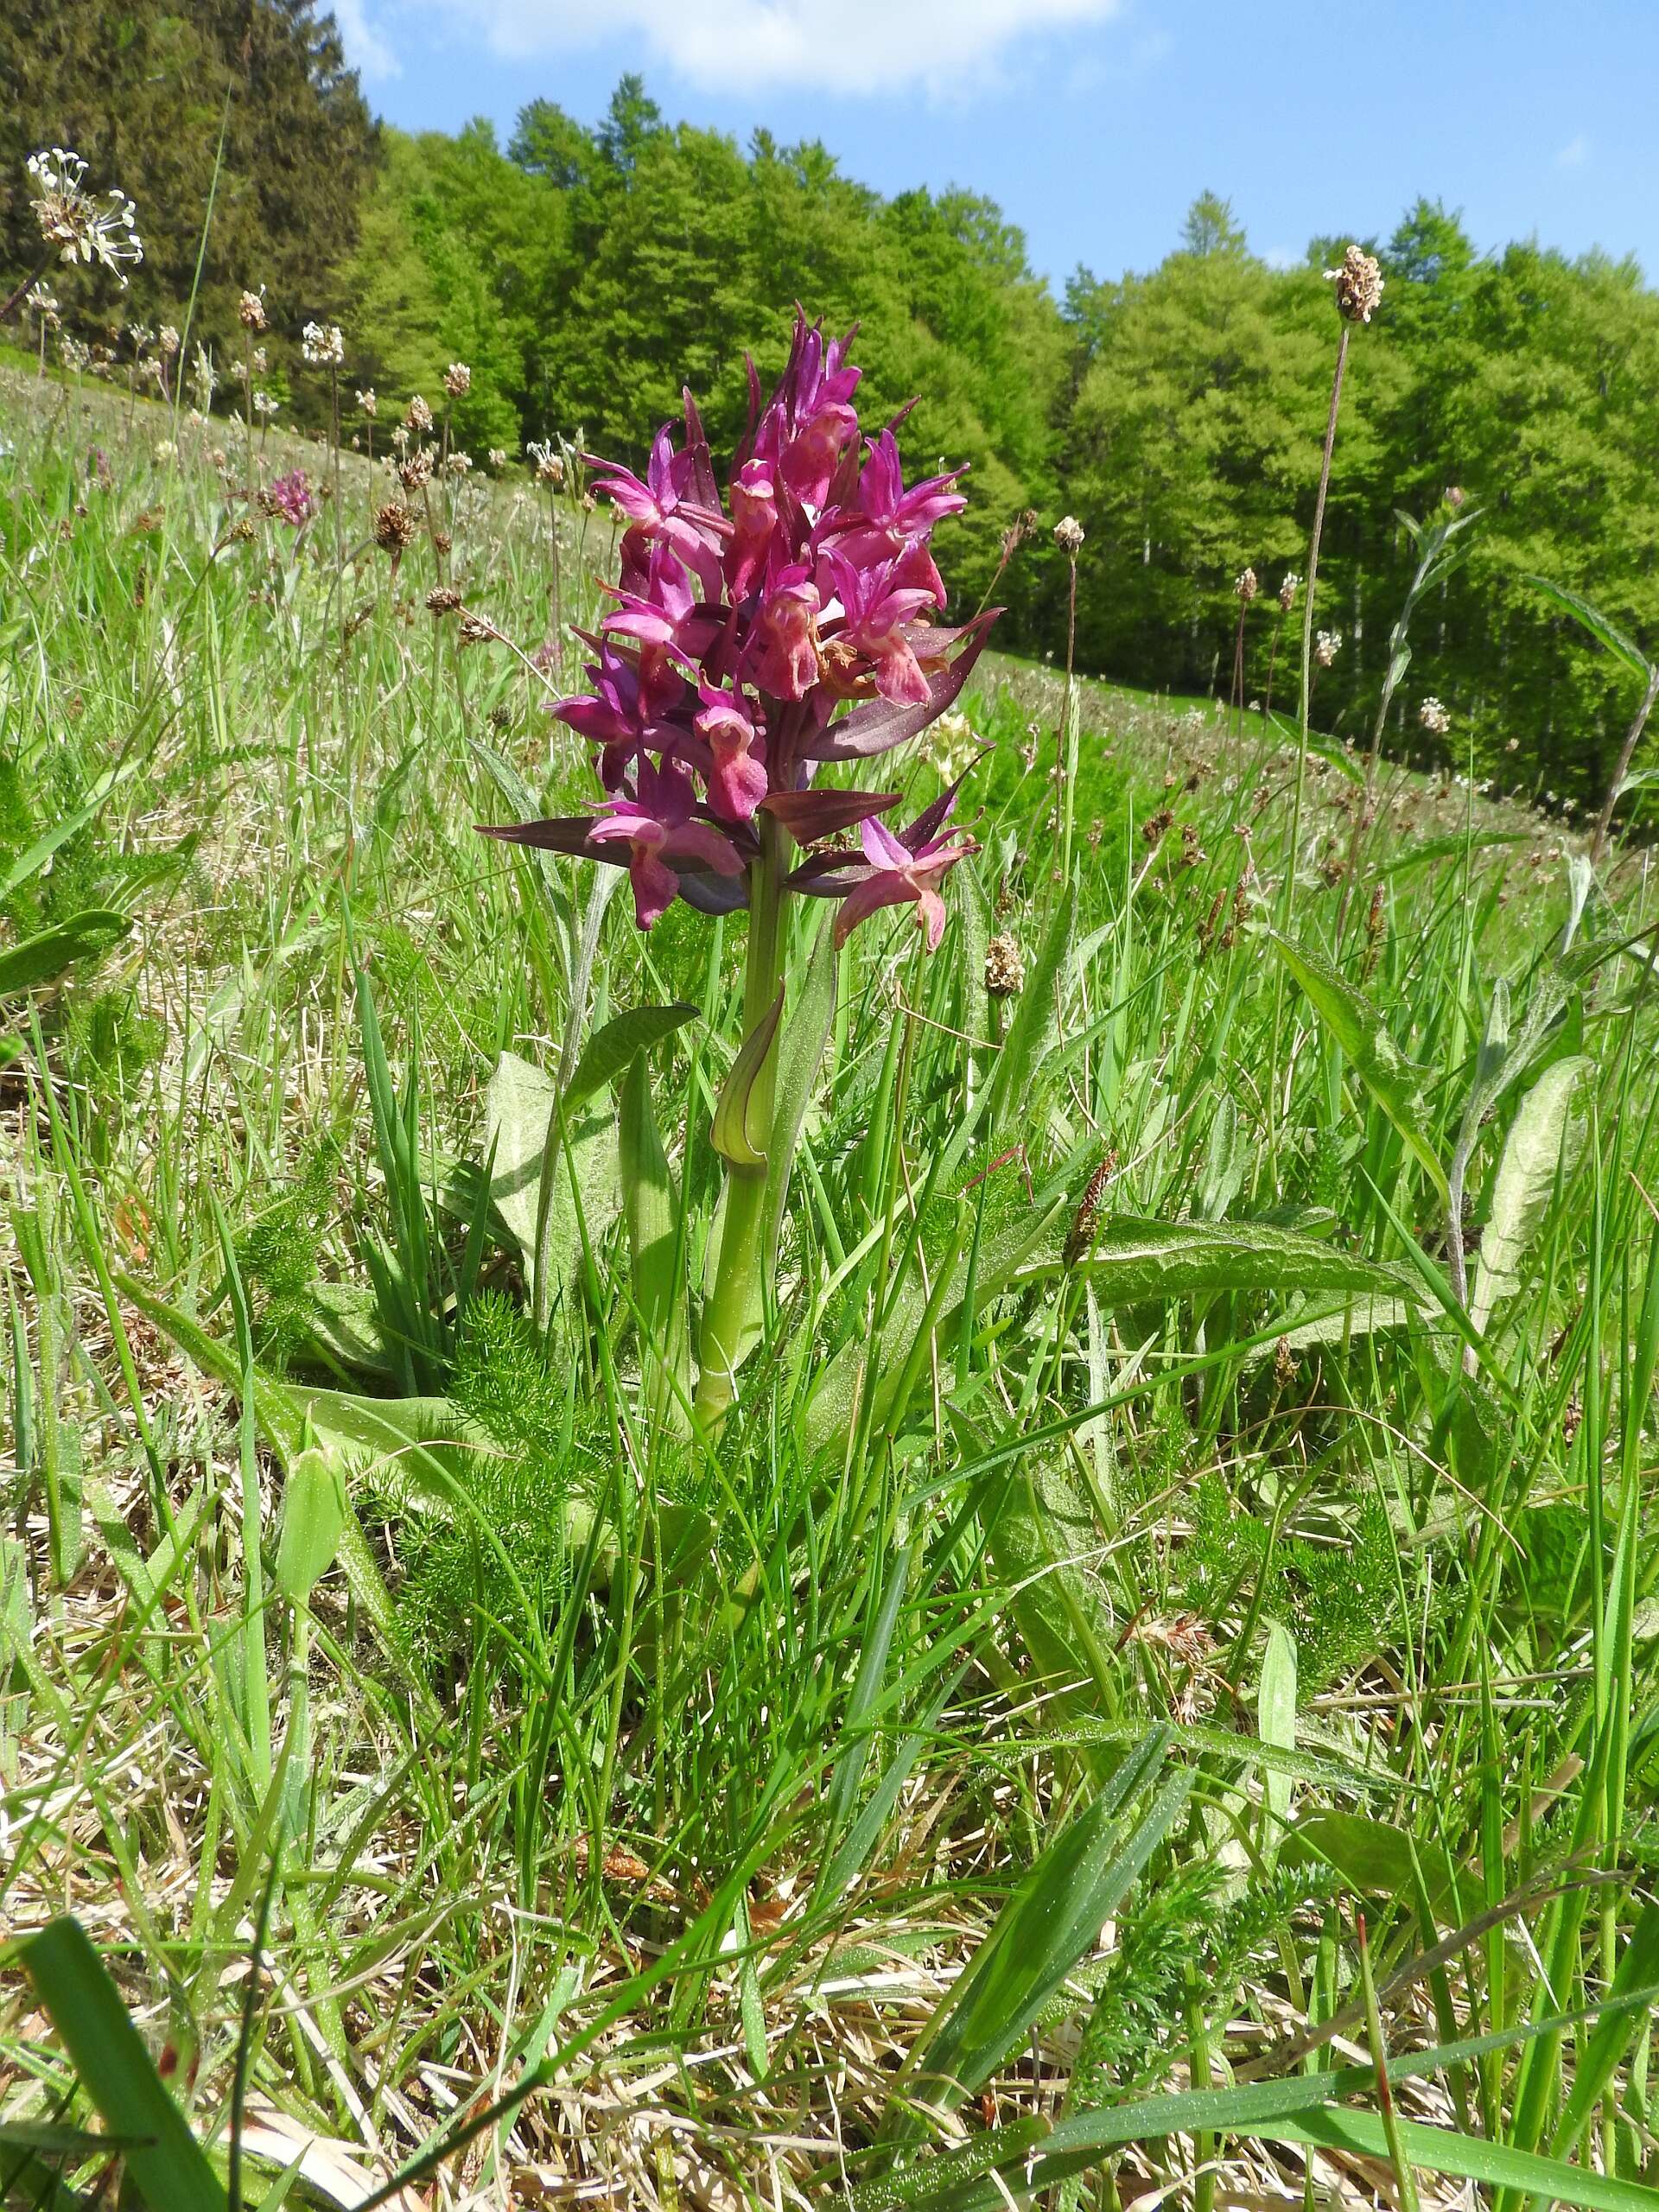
[1397,1084]
[518,1106]
[314,1513]
[1539,1140]
[165,2163]
[1053,1920]
[1135,1262]
[741,1127]
[610,1051]
[1375,1858]
[1275,1721]
[800,1055]
[1592,619]
[650,1209]
[43,957]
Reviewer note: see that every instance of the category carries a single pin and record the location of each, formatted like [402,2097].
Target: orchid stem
[732,1315]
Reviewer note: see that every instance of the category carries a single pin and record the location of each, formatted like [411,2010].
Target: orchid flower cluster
[741,629]
[755,640]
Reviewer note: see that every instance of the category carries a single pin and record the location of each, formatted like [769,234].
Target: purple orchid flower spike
[747,646]
[659,827]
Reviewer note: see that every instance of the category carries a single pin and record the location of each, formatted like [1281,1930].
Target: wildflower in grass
[291,498]
[458,463]
[367,403]
[1005,972]
[140,336]
[168,341]
[72,223]
[756,635]
[265,406]
[1326,647]
[1068,536]
[165,451]
[457,380]
[323,345]
[1434,717]
[1358,281]
[250,311]
[417,417]
[42,304]
[497,458]
[549,463]
[416,469]
[1245,586]
[1287,591]
[394,531]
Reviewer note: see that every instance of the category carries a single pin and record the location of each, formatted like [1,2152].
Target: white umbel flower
[71,219]
[324,345]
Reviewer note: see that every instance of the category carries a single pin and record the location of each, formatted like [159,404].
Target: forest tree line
[586,273]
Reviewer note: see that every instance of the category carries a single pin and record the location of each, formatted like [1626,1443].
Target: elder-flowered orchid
[753,640]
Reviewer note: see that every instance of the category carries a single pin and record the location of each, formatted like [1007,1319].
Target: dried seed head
[394,528]
[1434,717]
[479,630]
[1086,1220]
[250,311]
[1284,1364]
[1068,536]
[323,345]
[1152,829]
[1005,972]
[441,541]
[168,341]
[497,458]
[1454,496]
[418,415]
[367,403]
[1359,285]
[1376,918]
[1246,586]
[417,470]
[1288,590]
[457,380]
[442,599]
[1326,647]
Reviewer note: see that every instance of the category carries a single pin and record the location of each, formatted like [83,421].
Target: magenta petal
[701,842]
[884,889]
[654,886]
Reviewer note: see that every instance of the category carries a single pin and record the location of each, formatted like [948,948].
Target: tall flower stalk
[1358,292]
[758,638]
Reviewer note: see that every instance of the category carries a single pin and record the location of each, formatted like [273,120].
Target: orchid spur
[753,640]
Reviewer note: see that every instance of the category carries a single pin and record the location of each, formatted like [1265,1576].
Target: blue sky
[1095,123]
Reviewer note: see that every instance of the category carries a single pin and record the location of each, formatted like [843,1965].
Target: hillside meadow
[1024,1573]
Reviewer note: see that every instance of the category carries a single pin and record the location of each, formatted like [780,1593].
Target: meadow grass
[1151,1690]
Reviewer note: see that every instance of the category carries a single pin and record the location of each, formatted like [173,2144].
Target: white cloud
[1574,154]
[857,48]
[366,47]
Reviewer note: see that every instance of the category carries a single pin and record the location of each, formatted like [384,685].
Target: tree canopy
[587,274]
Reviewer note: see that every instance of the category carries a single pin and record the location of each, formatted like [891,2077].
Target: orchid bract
[757,639]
